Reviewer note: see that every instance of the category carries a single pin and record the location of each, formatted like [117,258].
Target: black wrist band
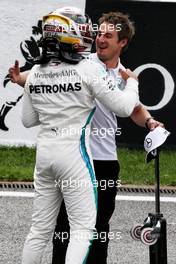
[147,120]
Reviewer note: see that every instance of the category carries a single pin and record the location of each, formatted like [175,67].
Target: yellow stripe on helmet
[70,40]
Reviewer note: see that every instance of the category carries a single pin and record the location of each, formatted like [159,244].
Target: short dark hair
[127,28]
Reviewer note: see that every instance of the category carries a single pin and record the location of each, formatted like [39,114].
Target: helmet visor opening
[79,19]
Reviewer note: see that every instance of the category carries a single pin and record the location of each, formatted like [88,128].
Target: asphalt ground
[15,220]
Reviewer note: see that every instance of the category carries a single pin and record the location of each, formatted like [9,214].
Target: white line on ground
[137,198]
[171,223]
[144,198]
[16,194]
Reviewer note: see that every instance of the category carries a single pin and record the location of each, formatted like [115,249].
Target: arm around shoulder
[122,103]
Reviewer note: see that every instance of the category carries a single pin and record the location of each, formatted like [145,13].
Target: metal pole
[158,251]
[157,183]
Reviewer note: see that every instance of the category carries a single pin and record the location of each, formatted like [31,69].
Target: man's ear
[123,42]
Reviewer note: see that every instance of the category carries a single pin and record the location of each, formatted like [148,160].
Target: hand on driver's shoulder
[127,74]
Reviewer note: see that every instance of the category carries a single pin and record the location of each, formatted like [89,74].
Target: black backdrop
[154,43]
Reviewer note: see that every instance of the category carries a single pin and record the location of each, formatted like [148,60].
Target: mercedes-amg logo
[148,142]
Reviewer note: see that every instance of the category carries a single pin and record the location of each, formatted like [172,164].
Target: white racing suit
[60,97]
